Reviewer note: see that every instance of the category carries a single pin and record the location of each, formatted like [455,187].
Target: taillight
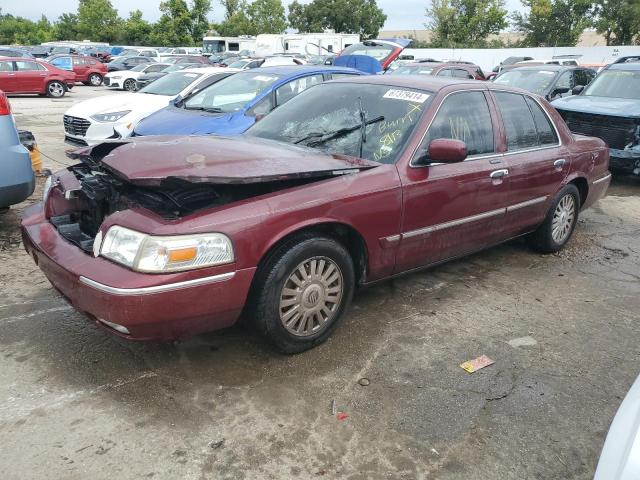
[5,106]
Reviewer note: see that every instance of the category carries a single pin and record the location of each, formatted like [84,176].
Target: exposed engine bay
[102,193]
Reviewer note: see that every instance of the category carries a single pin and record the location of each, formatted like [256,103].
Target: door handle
[499,173]
[559,163]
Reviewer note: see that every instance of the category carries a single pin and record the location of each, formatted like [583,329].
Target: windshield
[171,84]
[535,81]
[379,51]
[175,68]
[615,84]
[232,93]
[213,46]
[239,64]
[412,70]
[330,117]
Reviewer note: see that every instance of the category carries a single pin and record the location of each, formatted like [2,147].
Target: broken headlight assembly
[151,254]
[110,117]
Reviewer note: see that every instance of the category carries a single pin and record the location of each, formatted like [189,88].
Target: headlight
[146,253]
[110,117]
[48,183]
[116,76]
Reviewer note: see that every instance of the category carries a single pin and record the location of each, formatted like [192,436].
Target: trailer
[218,45]
[326,43]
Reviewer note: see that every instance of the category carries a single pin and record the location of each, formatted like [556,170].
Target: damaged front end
[101,188]
[628,158]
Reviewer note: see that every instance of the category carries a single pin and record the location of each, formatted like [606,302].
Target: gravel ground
[78,403]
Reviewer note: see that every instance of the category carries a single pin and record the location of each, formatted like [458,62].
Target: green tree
[343,16]
[66,28]
[98,20]
[266,16]
[618,21]
[553,23]
[465,23]
[135,30]
[199,21]
[18,30]
[174,26]
[231,7]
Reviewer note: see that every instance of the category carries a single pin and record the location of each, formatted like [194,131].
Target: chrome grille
[75,125]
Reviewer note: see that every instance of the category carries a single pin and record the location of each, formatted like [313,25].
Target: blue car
[16,174]
[232,105]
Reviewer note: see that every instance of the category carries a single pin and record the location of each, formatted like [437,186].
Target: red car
[28,75]
[88,70]
[349,183]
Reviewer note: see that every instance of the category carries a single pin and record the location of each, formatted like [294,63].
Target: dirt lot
[78,403]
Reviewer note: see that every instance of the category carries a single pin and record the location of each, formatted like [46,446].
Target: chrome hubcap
[563,217]
[311,296]
[56,89]
[95,80]
[129,85]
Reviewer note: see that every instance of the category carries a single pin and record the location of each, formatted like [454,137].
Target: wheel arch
[342,232]
[581,184]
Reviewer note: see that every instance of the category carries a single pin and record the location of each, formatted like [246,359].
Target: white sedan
[115,116]
[126,79]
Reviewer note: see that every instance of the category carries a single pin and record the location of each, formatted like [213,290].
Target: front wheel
[301,292]
[55,89]
[129,85]
[95,79]
[561,219]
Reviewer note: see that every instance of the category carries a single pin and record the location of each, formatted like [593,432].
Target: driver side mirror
[447,150]
[577,90]
[559,91]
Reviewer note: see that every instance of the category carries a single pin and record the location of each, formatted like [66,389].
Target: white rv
[217,45]
[304,43]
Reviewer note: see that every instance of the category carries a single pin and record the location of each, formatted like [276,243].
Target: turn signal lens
[182,254]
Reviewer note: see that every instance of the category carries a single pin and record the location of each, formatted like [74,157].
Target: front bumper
[627,160]
[98,132]
[150,307]
[17,181]
[111,82]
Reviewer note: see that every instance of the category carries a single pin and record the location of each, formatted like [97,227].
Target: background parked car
[127,79]
[175,59]
[147,77]
[247,63]
[234,104]
[115,116]
[29,75]
[41,51]
[609,108]
[14,53]
[550,81]
[127,63]
[88,70]
[16,174]
[441,69]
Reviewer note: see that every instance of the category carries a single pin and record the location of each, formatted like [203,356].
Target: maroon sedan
[349,183]
[28,75]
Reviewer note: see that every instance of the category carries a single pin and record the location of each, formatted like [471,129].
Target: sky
[401,15]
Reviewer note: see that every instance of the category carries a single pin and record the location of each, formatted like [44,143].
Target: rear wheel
[55,89]
[129,85]
[301,292]
[95,79]
[561,219]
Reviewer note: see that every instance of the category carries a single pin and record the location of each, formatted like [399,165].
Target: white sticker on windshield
[263,78]
[406,95]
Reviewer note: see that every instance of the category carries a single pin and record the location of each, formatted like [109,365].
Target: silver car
[16,174]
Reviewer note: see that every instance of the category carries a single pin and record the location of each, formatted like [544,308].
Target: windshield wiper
[323,137]
[206,109]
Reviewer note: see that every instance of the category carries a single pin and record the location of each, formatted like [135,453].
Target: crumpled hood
[222,160]
[179,121]
[118,103]
[619,107]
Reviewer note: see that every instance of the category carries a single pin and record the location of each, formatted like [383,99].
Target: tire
[56,89]
[556,230]
[323,298]
[130,85]
[95,79]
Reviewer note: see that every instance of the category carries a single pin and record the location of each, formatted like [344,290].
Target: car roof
[207,70]
[422,82]
[548,67]
[625,66]
[22,59]
[294,69]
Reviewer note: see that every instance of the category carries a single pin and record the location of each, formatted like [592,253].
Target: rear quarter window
[518,121]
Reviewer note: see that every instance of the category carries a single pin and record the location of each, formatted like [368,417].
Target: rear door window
[518,121]
[23,66]
[459,73]
[62,62]
[290,89]
[446,72]
[6,66]
[462,116]
[546,133]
